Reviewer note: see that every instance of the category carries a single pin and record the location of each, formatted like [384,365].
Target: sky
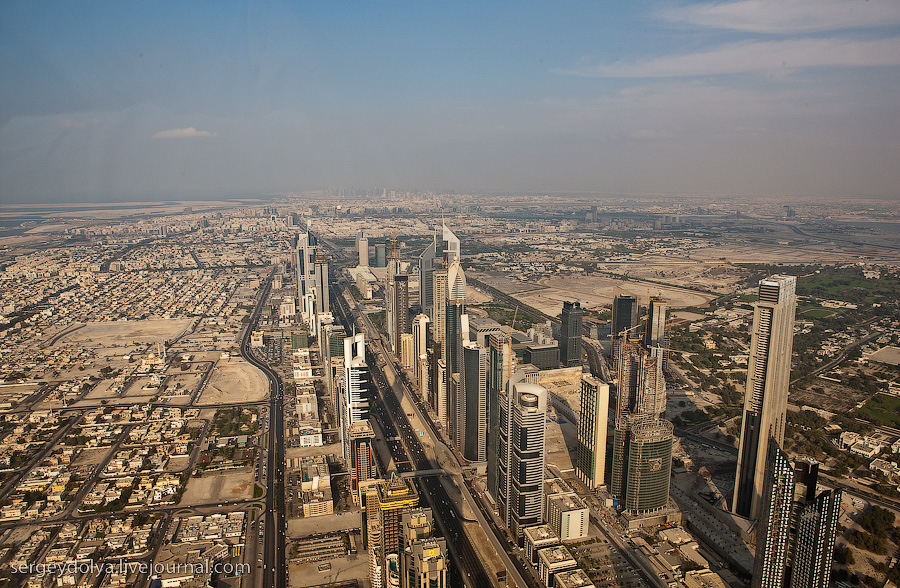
[129,101]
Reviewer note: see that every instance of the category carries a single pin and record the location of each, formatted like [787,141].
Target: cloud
[66,123]
[187,133]
[753,56]
[794,16]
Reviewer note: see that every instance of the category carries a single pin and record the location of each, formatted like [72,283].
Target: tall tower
[474,402]
[320,271]
[423,560]
[420,349]
[774,530]
[765,399]
[655,339]
[305,258]
[355,399]
[451,246]
[593,424]
[439,306]
[570,334]
[362,456]
[362,246]
[624,317]
[642,439]
[814,542]
[426,279]
[454,335]
[522,451]
[499,372]
[649,465]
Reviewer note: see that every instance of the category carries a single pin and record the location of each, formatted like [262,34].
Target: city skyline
[238,100]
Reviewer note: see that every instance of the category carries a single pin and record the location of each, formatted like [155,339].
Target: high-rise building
[439,307]
[814,541]
[765,399]
[423,559]
[395,497]
[454,335]
[420,350]
[593,429]
[355,397]
[797,529]
[641,386]
[625,317]
[642,440]
[774,529]
[304,264]
[362,246]
[451,246]
[407,352]
[474,402]
[649,466]
[522,454]
[655,337]
[380,255]
[499,372]
[320,271]
[570,334]
[362,456]
[400,310]
[426,278]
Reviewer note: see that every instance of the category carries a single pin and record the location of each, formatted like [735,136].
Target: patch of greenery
[882,410]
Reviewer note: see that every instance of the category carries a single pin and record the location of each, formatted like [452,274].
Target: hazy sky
[146,100]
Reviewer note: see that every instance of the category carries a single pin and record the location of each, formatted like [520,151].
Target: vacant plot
[234,380]
[218,488]
[596,292]
[122,333]
[881,410]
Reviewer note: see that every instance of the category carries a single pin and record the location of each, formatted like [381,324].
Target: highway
[273,537]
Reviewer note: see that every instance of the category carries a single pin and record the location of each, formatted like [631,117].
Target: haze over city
[134,101]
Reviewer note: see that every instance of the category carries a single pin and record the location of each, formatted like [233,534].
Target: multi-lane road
[272,532]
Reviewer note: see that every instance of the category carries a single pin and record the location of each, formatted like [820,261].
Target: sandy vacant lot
[597,292]
[126,332]
[218,487]
[234,380]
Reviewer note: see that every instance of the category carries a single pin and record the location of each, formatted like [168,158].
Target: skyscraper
[362,456]
[420,349]
[624,318]
[423,560]
[642,439]
[304,258]
[570,334]
[774,529]
[474,402]
[362,246]
[439,306]
[499,372]
[765,399]
[593,425]
[355,399]
[395,497]
[400,310]
[649,465]
[454,335]
[814,541]
[522,454]
[655,339]
[320,271]
[426,278]
[451,246]
[797,529]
